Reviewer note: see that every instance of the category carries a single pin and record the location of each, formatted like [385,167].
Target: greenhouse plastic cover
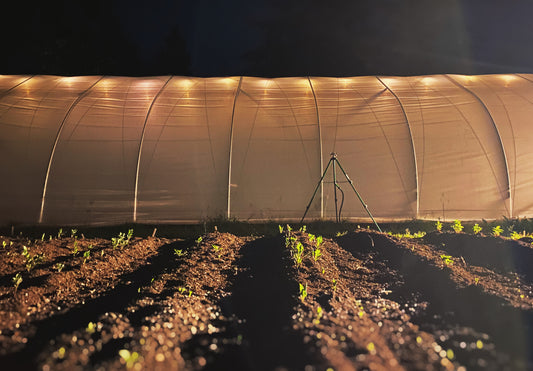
[170,149]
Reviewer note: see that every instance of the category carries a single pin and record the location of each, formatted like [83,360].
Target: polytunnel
[170,149]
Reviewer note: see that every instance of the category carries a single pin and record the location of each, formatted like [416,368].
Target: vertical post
[320,147]
[334,159]
[228,214]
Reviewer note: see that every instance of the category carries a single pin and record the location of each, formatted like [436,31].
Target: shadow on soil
[115,300]
[510,329]
[263,298]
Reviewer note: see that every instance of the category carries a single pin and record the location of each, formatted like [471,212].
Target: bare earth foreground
[362,301]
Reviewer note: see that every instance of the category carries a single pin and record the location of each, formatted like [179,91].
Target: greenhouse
[170,149]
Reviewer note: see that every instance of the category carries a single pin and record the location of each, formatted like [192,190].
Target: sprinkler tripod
[334,161]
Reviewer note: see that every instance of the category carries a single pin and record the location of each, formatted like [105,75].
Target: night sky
[268,38]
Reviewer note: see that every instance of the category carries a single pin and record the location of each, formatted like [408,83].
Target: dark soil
[362,301]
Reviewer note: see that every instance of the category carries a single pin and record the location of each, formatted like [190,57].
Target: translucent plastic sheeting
[362,122]
[509,100]
[93,170]
[98,149]
[30,118]
[183,173]
[461,164]
[276,149]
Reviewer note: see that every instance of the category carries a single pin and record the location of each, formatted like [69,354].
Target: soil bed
[295,301]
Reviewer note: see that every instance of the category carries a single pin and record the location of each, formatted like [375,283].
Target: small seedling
[4,244]
[215,247]
[476,280]
[447,259]
[303,292]
[17,280]
[303,228]
[73,233]
[316,254]
[59,266]
[199,241]
[91,328]
[42,237]
[438,225]
[496,231]
[289,229]
[319,313]
[311,237]
[179,252]
[129,358]
[298,254]
[129,236]
[334,282]
[280,229]
[515,235]
[86,256]
[477,229]
[75,250]
[319,240]
[457,226]
[60,233]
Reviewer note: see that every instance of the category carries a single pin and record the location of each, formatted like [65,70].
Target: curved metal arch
[15,86]
[231,145]
[319,148]
[52,153]
[412,145]
[499,140]
[140,149]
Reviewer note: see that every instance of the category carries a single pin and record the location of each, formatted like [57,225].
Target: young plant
[280,229]
[317,254]
[303,292]
[129,358]
[31,260]
[496,231]
[179,253]
[477,229]
[17,280]
[334,282]
[447,259]
[298,254]
[457,226]
[59,266]
[73,233]
[438,225]
[319,241]
[515,235]
[319,313]
[303,228]
[129,236]
[42,237]
[75,250]
[4,244]
[86,256]
[199,241]
[60,233]
[311,237]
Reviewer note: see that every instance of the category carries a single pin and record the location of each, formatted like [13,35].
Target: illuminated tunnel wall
[99,149]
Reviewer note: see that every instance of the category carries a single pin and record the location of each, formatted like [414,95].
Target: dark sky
[268,38]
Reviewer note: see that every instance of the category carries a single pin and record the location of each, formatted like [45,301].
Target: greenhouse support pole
[52,153]
[319,147]
[417,214]
[141,142]
[228,215]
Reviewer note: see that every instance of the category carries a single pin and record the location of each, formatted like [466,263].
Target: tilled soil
[363,301]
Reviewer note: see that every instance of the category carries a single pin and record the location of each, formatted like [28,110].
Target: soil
[361,301]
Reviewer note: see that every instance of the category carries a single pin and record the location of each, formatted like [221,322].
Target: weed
[477,229]
[457,226]
[17,280]
[303,292]
[447,259]
[438,225]
[59,266]
[496,231]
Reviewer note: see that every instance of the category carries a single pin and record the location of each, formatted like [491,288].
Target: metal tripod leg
[316,189]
